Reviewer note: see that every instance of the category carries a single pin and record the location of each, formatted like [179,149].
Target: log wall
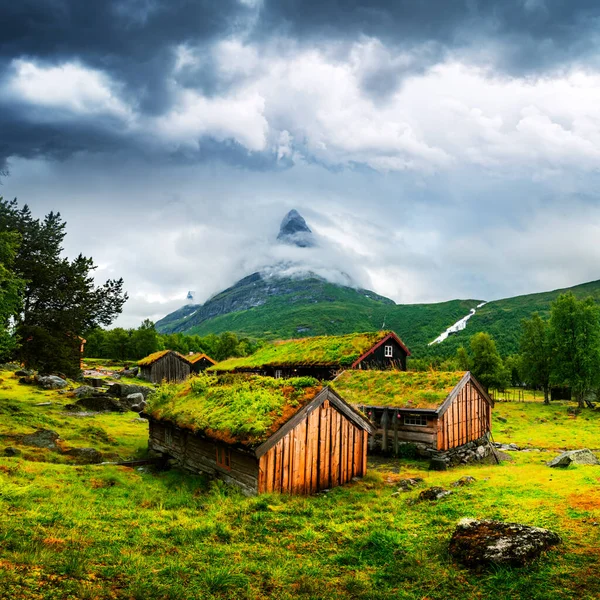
[324,450]
[167,368]
[200,456]
[468,418]
[391,432]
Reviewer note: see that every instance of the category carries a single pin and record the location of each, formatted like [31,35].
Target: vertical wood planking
[335,449]
[395,418]
[278,466]
[314,449]
[301,470]
[262,474]
[364,452]
[285,463]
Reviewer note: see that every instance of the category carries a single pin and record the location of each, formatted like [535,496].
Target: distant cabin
[438,412]
[293,436]
[166,365]
[200,362]
[322,357]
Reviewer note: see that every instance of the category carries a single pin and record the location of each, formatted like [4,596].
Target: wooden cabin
[200,362]
[294,437]
[322,357]
[439,413]
[166,365]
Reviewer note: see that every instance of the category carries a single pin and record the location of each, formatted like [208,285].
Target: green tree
[536,354]
[11,292]
[575,341]
[60,300]
[485,362]
[145,340]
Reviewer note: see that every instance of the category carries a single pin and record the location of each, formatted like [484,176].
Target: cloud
[432,146]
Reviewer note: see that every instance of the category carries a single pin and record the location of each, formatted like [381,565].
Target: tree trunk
[546,395]
[580,401]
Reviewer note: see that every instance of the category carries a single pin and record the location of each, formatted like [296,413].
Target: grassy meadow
[72,531]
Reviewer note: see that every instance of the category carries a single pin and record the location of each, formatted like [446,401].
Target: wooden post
[384,426]
[372,436]
[395,417]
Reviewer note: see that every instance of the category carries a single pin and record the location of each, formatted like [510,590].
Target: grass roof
[151,358]
[236,409]
[397,389]
[194,358]
[325,350]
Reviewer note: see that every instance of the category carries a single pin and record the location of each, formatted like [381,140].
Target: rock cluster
[434,493]
[472,452]
[476,544]
[119,397]
[576,457]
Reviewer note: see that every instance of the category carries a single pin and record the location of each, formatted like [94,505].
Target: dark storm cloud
[133,40]
[532,34]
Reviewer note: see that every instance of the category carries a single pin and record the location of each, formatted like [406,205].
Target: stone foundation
[479,450]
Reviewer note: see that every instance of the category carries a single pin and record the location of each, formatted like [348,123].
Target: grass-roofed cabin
[260,433]
[166,365]
[322,356]
[446,416]
[200,362]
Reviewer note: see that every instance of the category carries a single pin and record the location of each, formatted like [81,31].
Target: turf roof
[194,358]
[397,389]
[236,409]
[324,350]
[148,360]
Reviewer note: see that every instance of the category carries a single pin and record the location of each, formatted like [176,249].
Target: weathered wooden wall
[168,368]
[200,456]
[390,430]
[378,360]
[324,450]
[200,365]
[468,418]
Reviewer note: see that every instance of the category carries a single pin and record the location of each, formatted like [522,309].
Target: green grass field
[98,532]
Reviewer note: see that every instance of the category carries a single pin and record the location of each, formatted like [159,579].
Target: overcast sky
[439,149]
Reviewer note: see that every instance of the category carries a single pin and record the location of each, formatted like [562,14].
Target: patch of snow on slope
[458,326]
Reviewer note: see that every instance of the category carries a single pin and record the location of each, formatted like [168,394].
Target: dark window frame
[417,420]
[224,457]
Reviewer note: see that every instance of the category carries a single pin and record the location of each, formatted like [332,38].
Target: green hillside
[502,318]
[282,308]
[310,307]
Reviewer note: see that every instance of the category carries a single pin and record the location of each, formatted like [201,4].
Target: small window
[418,420]
[224,457]
[389,351]
[278,374]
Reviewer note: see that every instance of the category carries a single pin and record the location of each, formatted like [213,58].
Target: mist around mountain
[302,295]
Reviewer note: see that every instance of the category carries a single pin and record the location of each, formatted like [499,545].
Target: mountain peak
[295,231]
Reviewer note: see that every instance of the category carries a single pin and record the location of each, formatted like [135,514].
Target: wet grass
[100,532]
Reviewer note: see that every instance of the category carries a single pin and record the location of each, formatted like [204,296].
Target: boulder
[24,373]
[132,400]
[130,372]
[122,390]
[42,438]
[86,456]
[577,457]
[463,481]
[438,464]
[480,543]
[10,451]
[408,484]
[51,382]
[434,493]
[100,403]
[94,381]
[83,391]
